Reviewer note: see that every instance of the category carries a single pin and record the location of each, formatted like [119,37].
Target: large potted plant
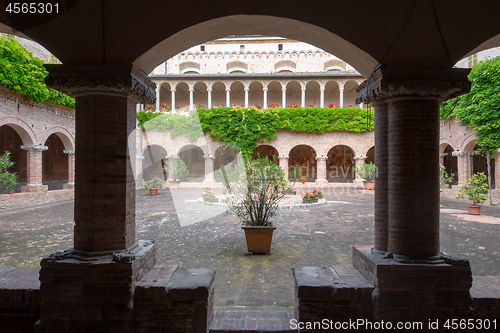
[476,190]
[175,169]
[254,199]
[8,180]
[153,185]
[367,172]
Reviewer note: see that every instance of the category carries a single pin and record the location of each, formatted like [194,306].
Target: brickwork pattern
[30,199]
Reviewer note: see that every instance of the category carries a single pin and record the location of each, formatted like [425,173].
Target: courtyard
[320,236]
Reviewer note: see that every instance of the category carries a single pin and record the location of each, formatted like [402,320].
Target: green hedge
[243,127]
[23,73]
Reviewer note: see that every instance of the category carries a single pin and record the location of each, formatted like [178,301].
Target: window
[472,60]
[202,48]
[242,48]
[280,47]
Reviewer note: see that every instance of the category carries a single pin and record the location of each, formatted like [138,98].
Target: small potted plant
[254,199]
[153,185]
[8,179]
[367,171]
[208,195]
[309,197]
[176,169]
[318,192]
[290,191]
[294,173]
[445,178]
[302,179]
[165,107]
[476,190]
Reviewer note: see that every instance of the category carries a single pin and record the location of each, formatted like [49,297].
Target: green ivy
[244,127]
[23,73]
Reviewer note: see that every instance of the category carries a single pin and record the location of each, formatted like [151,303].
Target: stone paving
[319,236]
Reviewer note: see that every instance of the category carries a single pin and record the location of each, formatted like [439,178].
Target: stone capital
[464,153]
[443,154]
[359,158]
[390,83]
[209,157]
[69,152]
[321,158]
[122,80]
[34,147]
[283,157]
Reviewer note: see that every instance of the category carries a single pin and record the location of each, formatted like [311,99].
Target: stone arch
[313,92]
[55,162]
[256,93]
[350,93]
[274,91]
[165,89]
[370,155]
[154,157]
[193,156]
[266,151]
[293,92]
[64,135]
[332,92]
[304,157]
[200,94]
[450,162]
[181,96]
[24,131]
[237,93]
[11,141]
[256,24]
[218,93]
[340,164]
[469,142]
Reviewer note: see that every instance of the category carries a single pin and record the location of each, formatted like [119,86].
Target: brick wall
[30,199]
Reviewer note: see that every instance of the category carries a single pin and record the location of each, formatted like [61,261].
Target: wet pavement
[318,236]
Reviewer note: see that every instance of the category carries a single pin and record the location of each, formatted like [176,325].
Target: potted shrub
[254,199]
[153,185]
[318,192]
[476,190]
[165,107]
[309,197]
[208,195]
[367,172]
[445,178]
[289,190]
[176,169]
[8,180]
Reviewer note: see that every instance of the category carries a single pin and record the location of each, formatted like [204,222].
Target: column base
[321,182]
[34,188]
[87,292]
[410,292]
[69,186]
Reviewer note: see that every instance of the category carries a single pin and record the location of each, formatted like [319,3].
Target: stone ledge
[485,294]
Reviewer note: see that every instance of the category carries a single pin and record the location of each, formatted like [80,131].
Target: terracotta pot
[174,185]
[259,238]
[10,192]
[474,210]
[153,191]
[369,185]
[307,201]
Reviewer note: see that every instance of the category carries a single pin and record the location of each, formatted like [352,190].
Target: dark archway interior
[451,163]
[193,157]
[153,162]
[340,164]
[54,163]
[304,157]
[480,165]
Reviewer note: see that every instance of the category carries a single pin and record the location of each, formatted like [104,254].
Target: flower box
[311,200]
[210,199]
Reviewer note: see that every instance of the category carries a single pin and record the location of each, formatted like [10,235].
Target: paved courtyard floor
[190,234]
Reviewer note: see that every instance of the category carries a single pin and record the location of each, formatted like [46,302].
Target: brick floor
[251,321]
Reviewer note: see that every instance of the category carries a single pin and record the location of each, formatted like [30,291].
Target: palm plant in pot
[476,190]
[175,169]
[254,199]
[153,185]
[367,171]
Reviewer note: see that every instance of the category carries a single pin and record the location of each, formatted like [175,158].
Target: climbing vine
[23,73]
[244,127]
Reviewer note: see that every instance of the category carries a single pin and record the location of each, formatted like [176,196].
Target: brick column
[71,169]
[283,161]
[381,211]
[321,164]
[209,171]
[90,287]
[465,163]
[34,169]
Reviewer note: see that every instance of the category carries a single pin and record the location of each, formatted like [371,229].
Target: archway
[11,141]
[450,163]
[350,93]
[266,151]
[480,165]
[153,162]
[304,157]
[370,155]
[54,163]
[193,157]
[224,156]
[340,164]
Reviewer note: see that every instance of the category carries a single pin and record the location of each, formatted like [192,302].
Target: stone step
[251,321]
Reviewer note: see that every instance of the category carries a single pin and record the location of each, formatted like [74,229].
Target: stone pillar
[283,161]
[303,97]
[71,169]
[191,99]
[246,96]
[158,98]
[465,163]
[90,287]
[322,97]
[173,99]
[321,164]
[341,96]
[228,97]
[441,158]
[413,280]
[209,171]
[264,105]
[34,169]
[358,161]
[209,97]
[283,97]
